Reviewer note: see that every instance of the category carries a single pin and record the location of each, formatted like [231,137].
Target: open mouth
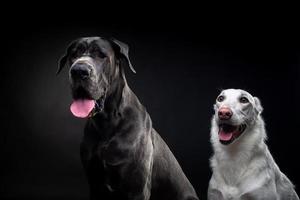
[84,106]
[228,133]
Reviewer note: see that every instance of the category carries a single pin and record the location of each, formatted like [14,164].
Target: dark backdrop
[180,70]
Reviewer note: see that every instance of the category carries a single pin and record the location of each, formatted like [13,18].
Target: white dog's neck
[235,159]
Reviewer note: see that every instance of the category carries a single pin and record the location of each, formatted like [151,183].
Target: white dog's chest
[230,192]
[233,192]
[234,187]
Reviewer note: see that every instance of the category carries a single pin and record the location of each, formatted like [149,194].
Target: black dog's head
[94,65]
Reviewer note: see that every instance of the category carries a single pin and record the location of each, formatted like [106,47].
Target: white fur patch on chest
[230,192]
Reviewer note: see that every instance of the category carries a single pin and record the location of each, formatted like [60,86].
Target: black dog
[123,156]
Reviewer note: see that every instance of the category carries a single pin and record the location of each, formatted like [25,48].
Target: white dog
[243,167]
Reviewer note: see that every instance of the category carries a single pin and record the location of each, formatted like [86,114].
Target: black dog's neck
[120,112]
[116,112]
[113,97]
[109,100]
[113,103]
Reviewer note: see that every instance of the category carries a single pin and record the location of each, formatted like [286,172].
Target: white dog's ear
[258,106]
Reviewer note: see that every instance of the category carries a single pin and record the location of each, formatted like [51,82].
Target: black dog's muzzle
[80,71]
[82,68]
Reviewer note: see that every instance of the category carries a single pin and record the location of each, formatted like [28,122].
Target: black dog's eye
[244,100]
[100,54]
[76,52]
[220,98]
[96,52]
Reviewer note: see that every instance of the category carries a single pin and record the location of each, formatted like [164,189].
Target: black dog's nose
[80,71]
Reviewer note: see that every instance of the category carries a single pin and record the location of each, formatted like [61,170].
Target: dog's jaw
[229,133]
[253,135]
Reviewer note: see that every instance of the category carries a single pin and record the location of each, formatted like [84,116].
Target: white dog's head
[235,111]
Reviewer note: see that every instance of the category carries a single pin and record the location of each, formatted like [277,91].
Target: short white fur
[245,169]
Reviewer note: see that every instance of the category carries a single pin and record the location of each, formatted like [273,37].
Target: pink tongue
[225,136]
[82,107]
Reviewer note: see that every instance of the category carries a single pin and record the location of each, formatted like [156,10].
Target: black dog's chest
[104,162]
[106,143]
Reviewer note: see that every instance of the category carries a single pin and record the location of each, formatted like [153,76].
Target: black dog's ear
[61,63]
[63,60]
[123,49]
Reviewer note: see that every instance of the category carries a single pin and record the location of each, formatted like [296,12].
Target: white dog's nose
[224,113]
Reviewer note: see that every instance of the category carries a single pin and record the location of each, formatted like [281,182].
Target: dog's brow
[243,94]
[99,47]
[79,46]
[95,46]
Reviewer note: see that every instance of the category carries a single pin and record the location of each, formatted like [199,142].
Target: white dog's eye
[244,100]
[220,98]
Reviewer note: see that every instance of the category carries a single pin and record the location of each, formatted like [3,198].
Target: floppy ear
[258,106]
[61,63]
[63,60]
[123,50]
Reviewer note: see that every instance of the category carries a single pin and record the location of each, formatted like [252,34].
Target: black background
[181,64]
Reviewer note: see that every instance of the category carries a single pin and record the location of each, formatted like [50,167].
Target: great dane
[123,156]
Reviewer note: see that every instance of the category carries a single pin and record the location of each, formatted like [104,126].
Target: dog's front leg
[94,172]
[137,173]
